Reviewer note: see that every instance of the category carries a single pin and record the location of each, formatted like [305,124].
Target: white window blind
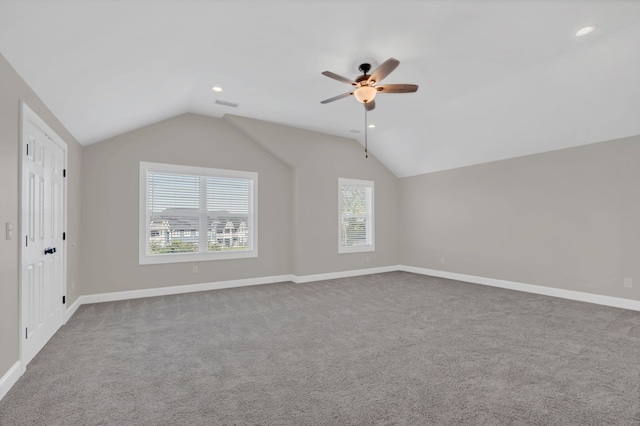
[356,219]
[194,213]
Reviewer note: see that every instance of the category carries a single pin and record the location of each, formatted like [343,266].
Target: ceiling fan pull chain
[366,154]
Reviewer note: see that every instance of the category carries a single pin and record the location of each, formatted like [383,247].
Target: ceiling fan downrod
[366,127]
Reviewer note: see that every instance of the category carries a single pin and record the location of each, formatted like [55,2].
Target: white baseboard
[343,274]
[616,302]
[10,378]
[529,288]
[179,289]
[190,288]
[72,309]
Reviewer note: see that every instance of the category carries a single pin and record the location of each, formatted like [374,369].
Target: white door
[42,262]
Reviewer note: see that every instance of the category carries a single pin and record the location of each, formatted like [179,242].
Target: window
[195,213]
[355,207]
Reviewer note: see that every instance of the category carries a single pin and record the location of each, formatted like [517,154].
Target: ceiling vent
[225,103]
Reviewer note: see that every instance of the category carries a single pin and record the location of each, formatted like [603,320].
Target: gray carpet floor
[394,348]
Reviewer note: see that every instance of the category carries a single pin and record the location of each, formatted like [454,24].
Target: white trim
[72,309]
[529,288]
[190,288]
[342,274]
[10,378]
[616,302]
[179,289]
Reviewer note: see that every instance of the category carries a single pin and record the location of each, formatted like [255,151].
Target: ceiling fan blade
[339,77]
[397,88]
[384,70]
[370,106]
[335,98]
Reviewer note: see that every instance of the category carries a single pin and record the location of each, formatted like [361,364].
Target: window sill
[195,257]
[356,249]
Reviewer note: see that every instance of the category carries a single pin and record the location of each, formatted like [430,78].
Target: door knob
[50,250]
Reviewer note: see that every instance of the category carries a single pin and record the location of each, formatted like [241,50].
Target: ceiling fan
[366,86]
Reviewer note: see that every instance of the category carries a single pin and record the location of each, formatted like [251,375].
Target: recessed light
[371,126]
[216,89]
[586,30]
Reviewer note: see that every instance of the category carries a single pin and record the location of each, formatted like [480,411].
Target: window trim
[370,229]
[143,227]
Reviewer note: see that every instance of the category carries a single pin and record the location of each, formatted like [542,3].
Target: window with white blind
[195,213]
[355,209]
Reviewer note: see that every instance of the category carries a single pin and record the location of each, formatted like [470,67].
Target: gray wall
[318,160]
[568,219]
[110,202]
[297,200]
[13,90]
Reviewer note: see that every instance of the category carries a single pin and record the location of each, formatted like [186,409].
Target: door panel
[43,218]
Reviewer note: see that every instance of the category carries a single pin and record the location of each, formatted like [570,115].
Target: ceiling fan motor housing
[362,80]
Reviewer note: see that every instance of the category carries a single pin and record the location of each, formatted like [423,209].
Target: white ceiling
[498,79]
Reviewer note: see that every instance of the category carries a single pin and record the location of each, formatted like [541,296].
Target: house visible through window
[194,213]
[356,219]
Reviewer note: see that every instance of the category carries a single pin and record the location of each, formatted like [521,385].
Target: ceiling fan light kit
[366,88]
[365,94]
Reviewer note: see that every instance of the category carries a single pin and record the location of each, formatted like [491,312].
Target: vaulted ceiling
[498,79]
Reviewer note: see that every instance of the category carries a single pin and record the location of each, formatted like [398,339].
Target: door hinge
[64,172]
[27,150]
[64,236]
[26,333]
[26,241]
[64,299]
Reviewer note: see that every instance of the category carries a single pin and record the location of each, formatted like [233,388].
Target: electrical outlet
[628,283]
[195,269]
[367,259]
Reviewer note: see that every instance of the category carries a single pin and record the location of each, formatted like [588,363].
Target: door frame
[27,115]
